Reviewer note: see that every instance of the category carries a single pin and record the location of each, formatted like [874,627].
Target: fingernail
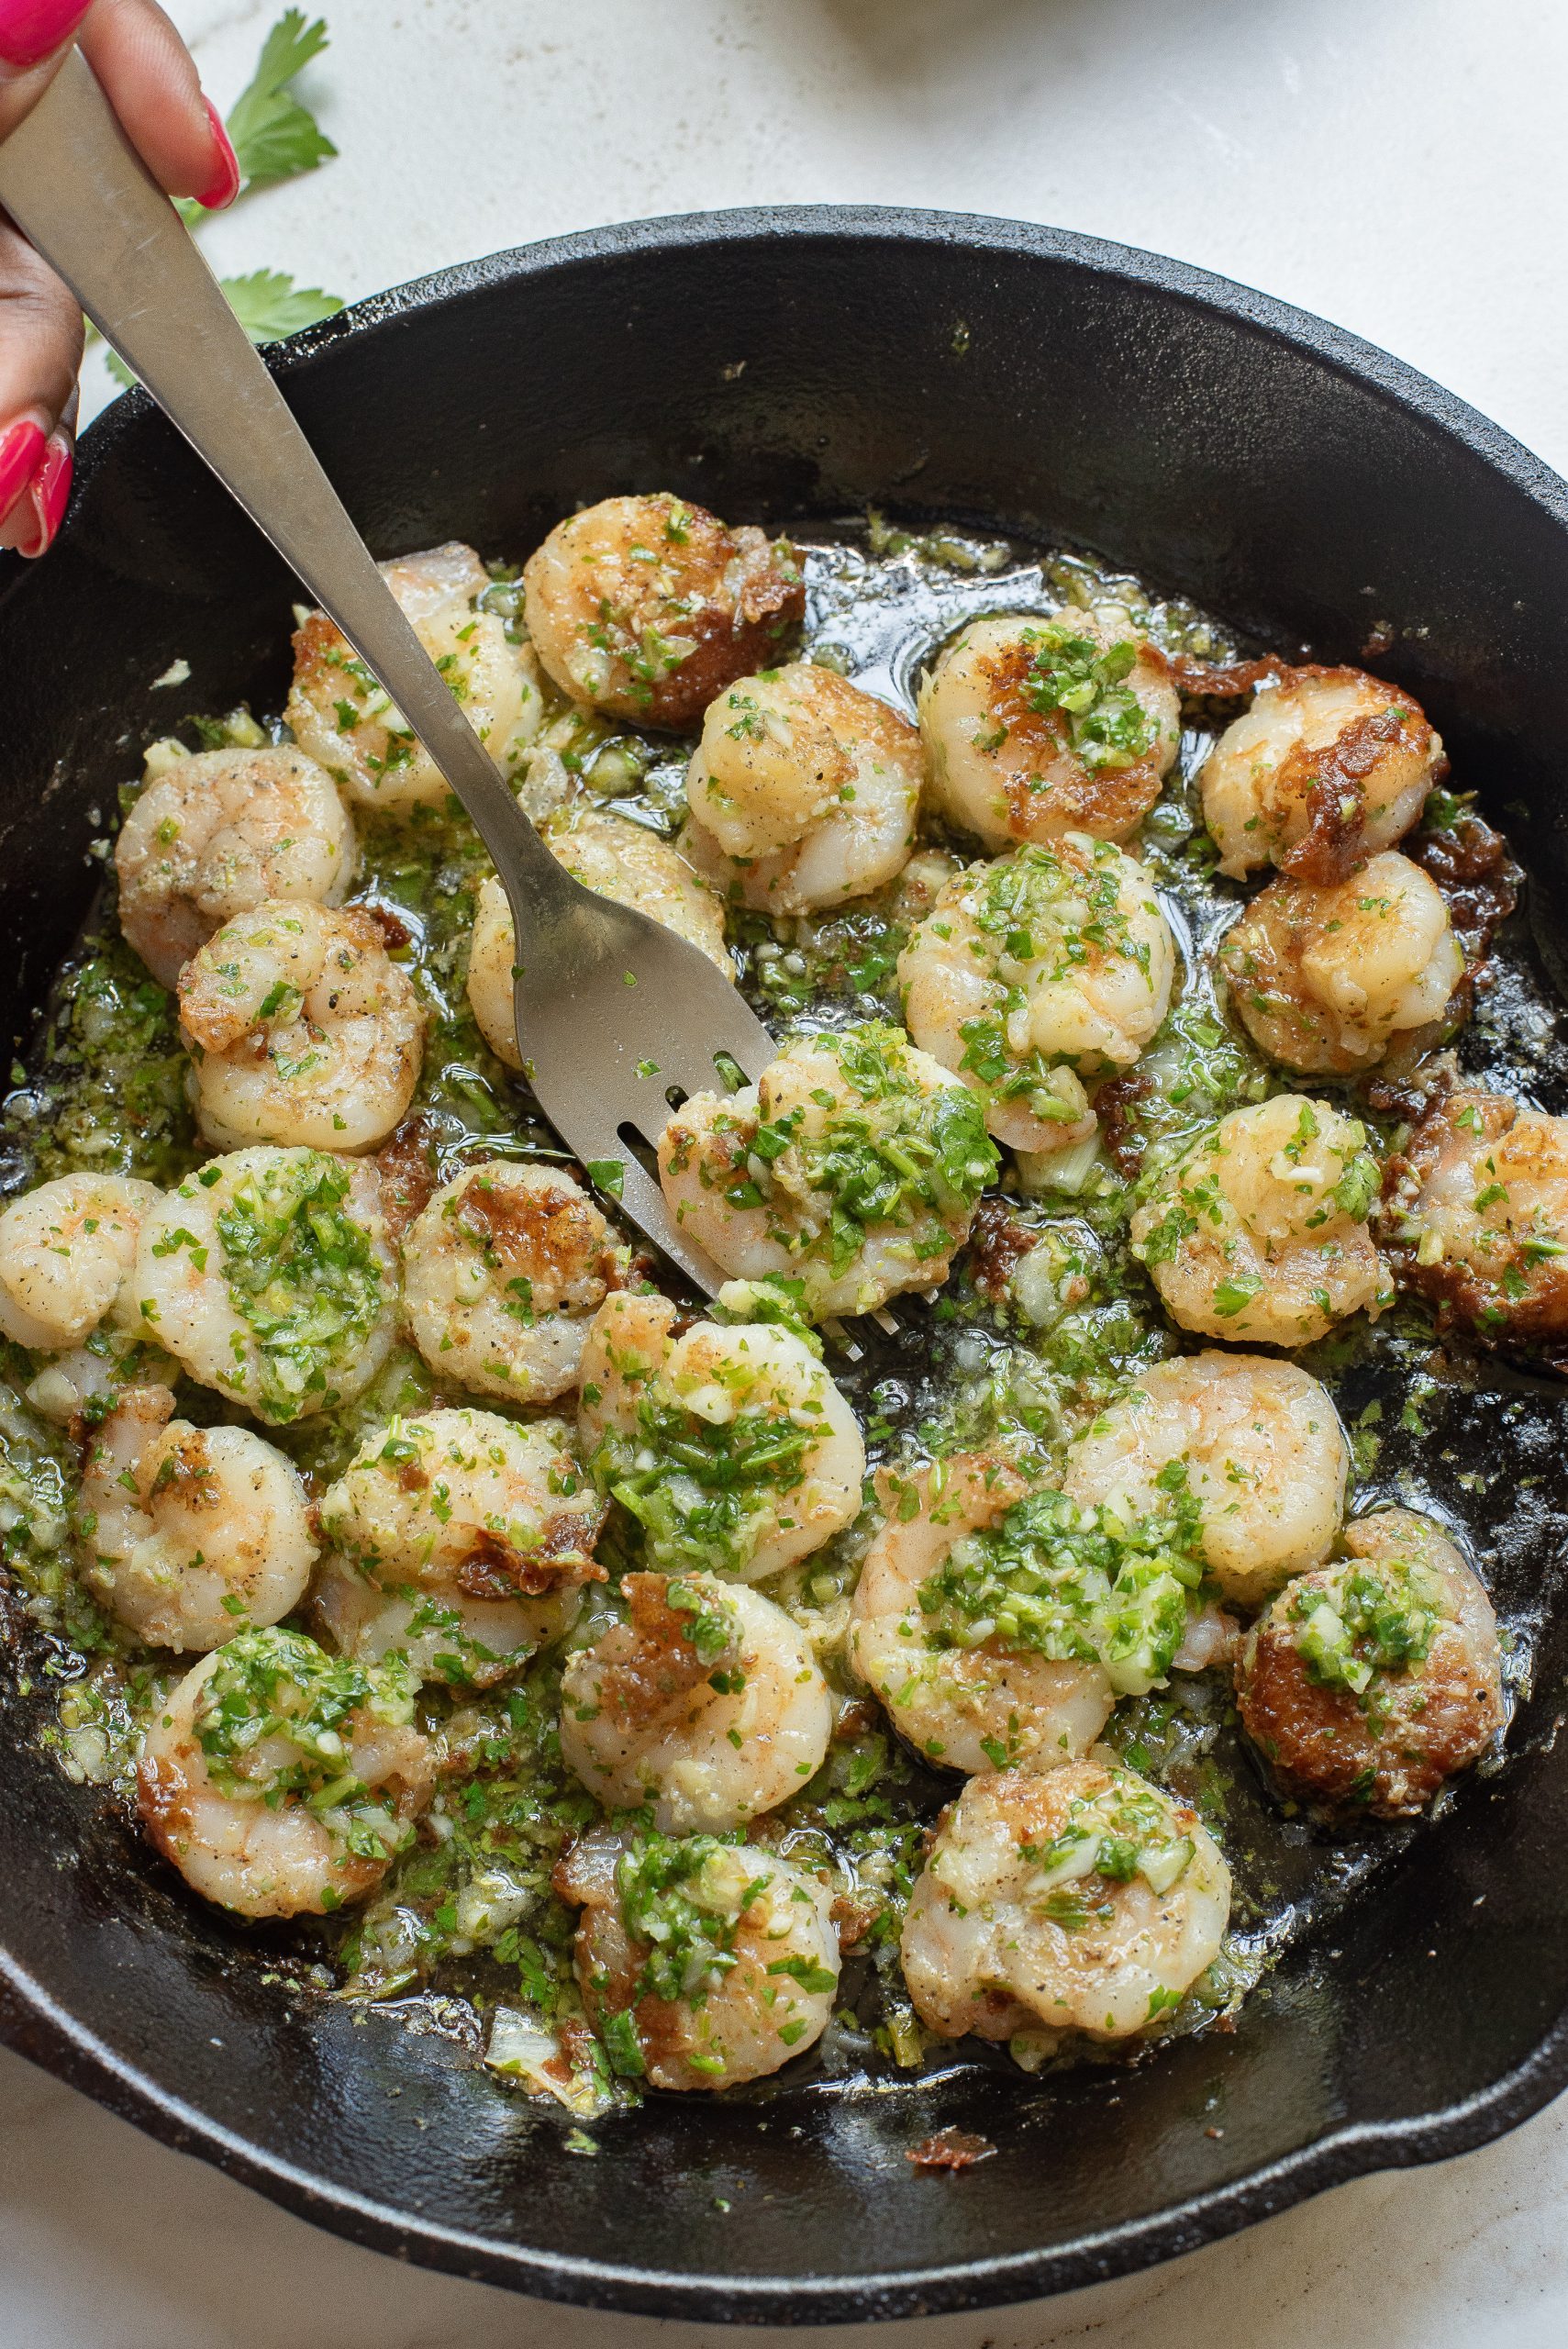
[51,489]
[29,29]
[20,450]
[225,184]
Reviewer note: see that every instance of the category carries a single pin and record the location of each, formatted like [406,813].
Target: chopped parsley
[303,1275]
[685,1911]
[1074,679]
[1367,1619]
[274,1720]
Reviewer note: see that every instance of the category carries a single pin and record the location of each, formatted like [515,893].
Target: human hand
[152,84]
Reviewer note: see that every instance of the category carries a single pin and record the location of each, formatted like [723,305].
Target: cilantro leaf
[276,138]
[268,303]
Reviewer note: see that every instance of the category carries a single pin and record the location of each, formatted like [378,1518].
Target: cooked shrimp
[302,1029]
[341,718]
[268,1276]
[219,834]
[648,606]
[803,791]
[1037,725]
[1371,1681]
[1085,1900]
[971,1694]
[66,1251]
[701,1963]
[461,1542]
[854,1163]
[1254,1443]
[707,1706]
[732,1448]
[189,1534]
[1477,1221]
[1259,1232]
[1051,965]
[280,1781]
[620,860]
[502,1274]
[87,1380]
[1327,767]
[634,866]
[1328,980]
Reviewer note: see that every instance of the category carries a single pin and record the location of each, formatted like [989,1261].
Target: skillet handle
[80,192]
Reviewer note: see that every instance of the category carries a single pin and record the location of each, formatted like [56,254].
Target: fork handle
[80,192]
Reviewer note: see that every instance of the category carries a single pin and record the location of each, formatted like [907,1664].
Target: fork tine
[641,1198]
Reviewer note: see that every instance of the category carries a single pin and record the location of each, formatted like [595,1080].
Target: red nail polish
[30,30]
[20,450]
[225,183]
[51,489]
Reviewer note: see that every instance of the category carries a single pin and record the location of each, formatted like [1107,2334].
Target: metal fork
[617,1017]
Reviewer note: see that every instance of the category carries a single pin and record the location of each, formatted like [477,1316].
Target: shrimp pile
[431,1552]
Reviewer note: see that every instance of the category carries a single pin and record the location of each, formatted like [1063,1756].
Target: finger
[31,35]
[41,353]
[32,525]
[31,30]
[149,76]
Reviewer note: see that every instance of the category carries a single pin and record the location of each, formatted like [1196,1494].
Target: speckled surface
[1396,167]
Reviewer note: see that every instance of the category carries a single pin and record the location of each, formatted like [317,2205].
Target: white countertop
[1398,165]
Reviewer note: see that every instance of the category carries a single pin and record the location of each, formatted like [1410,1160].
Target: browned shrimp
[1371,1681]
[1040,724]
[1327,766]
[1476,1215]
[1331,980]
[648,606]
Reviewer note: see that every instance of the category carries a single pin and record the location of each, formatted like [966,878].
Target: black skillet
[779,366]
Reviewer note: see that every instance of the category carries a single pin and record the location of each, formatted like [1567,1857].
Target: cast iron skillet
[1300,485]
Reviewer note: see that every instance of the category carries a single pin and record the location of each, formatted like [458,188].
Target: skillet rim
[33,2024]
